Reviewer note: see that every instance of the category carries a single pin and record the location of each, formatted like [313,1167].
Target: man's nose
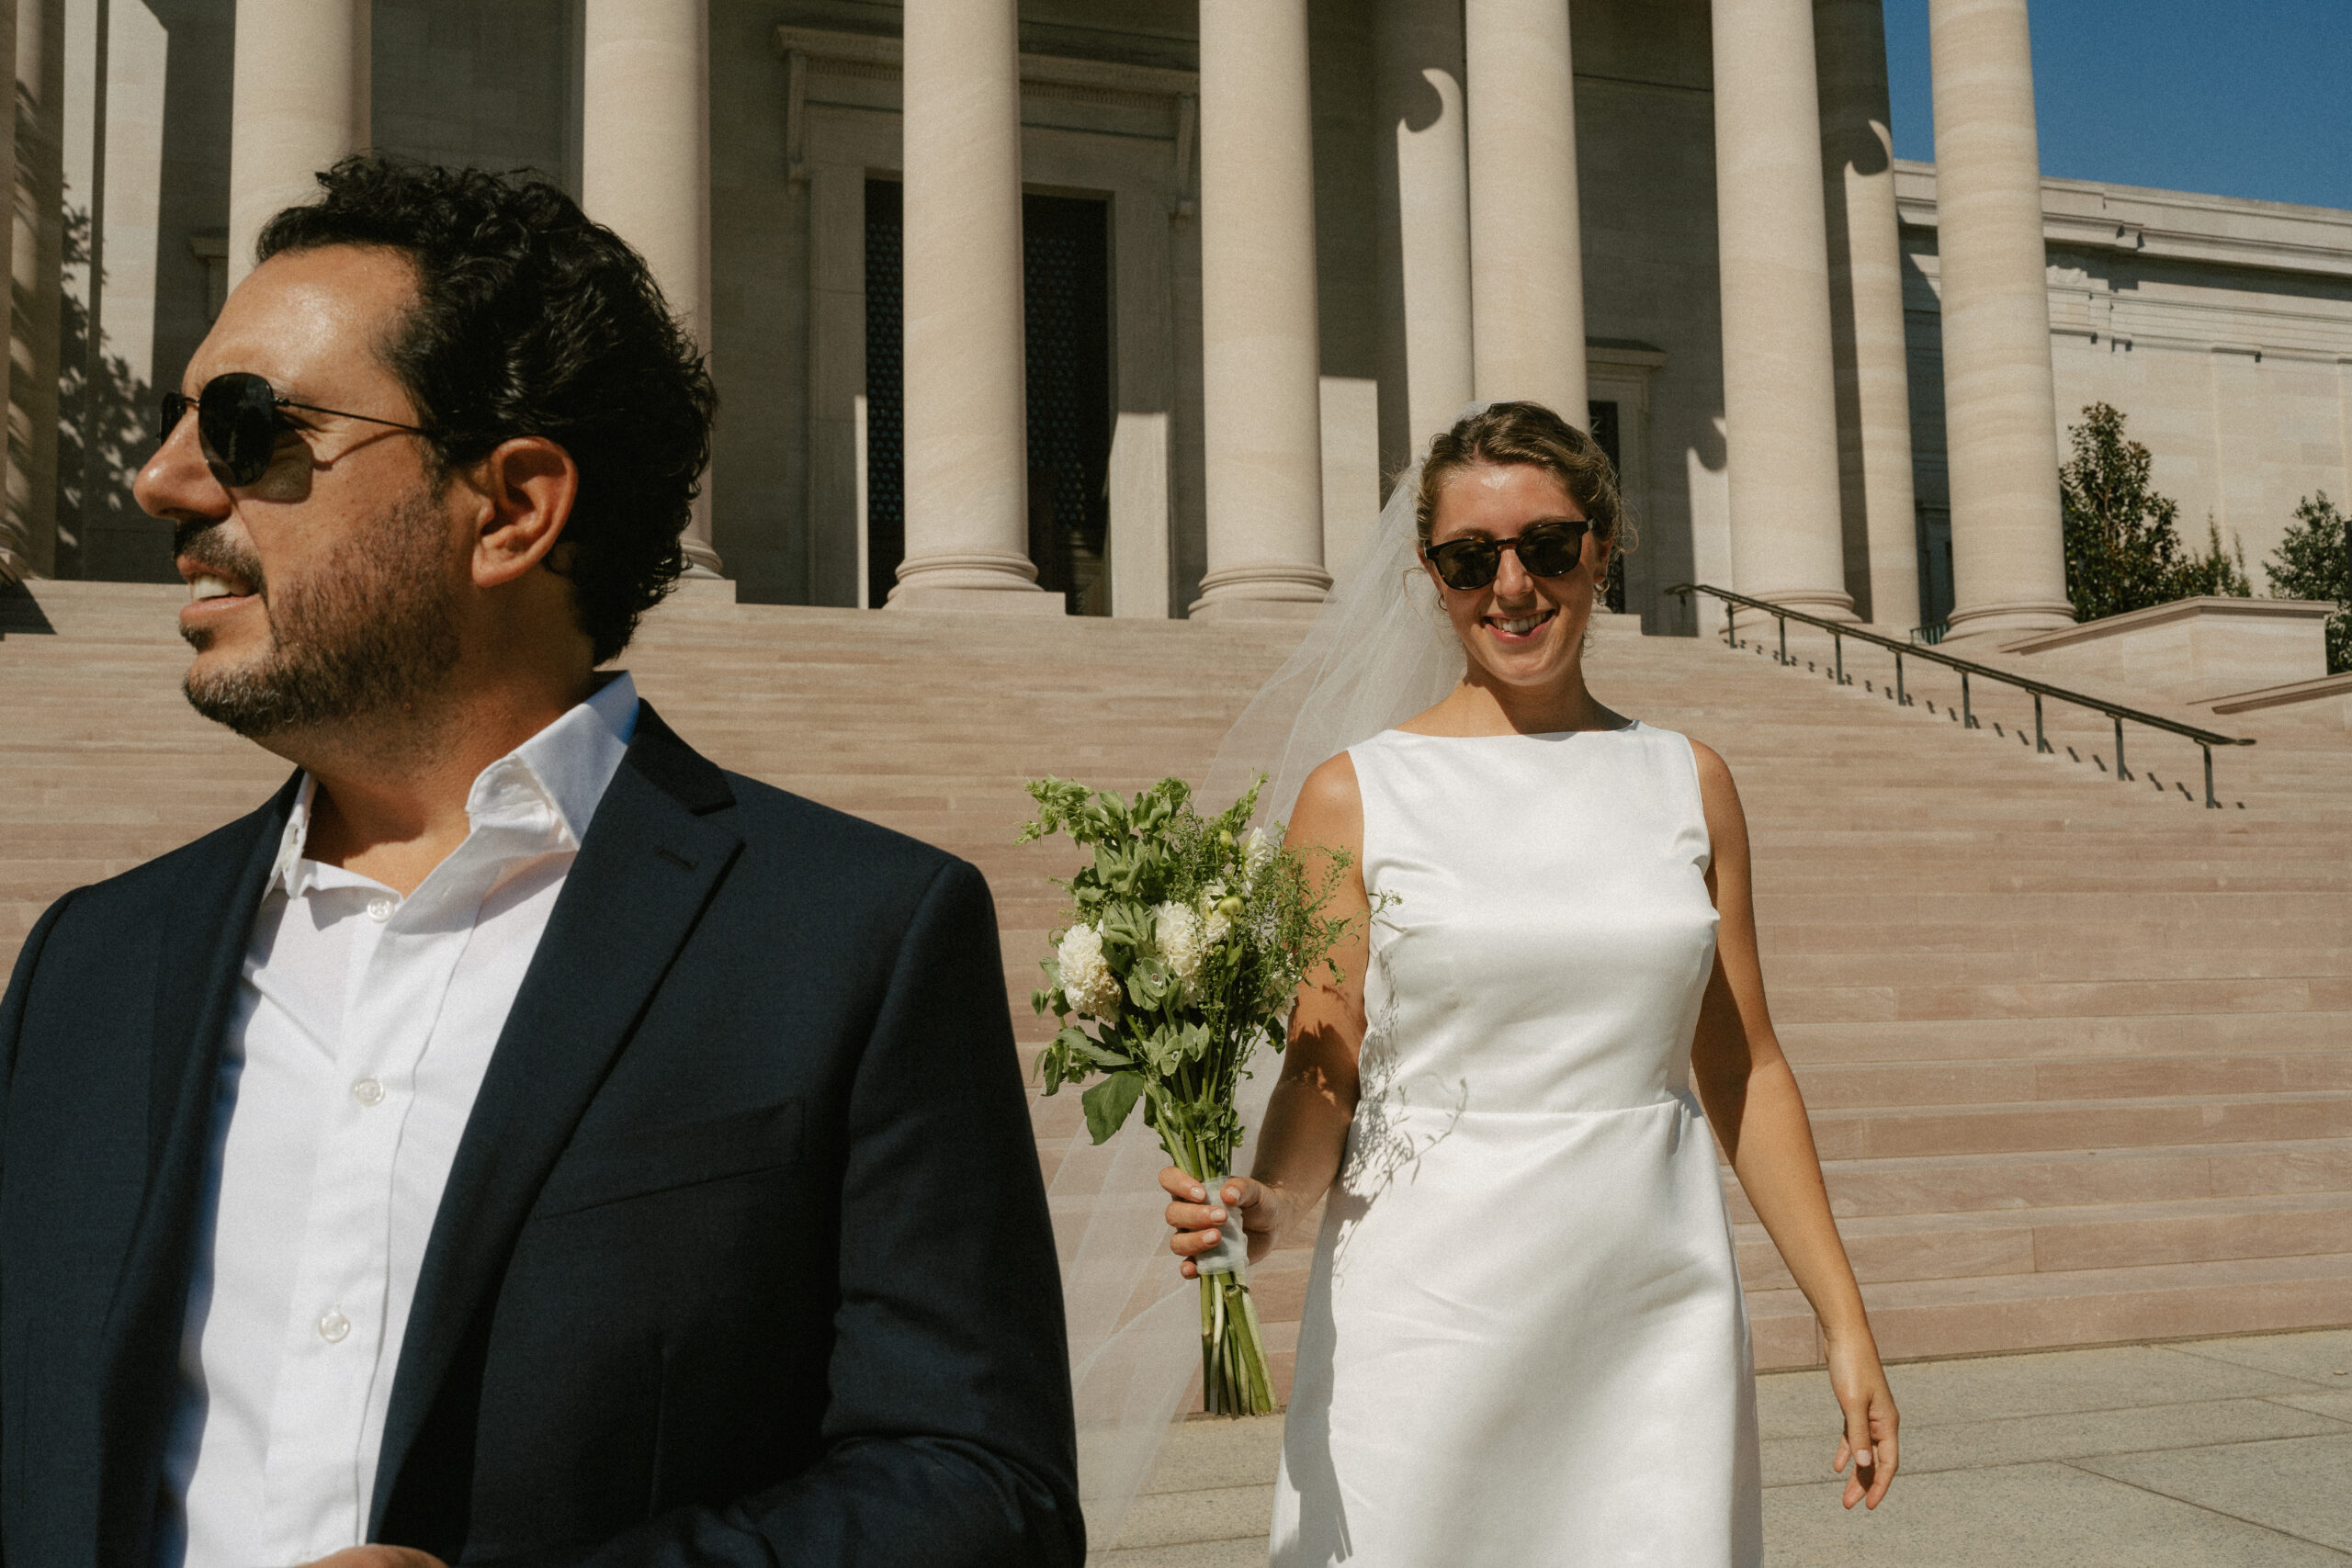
[177,483]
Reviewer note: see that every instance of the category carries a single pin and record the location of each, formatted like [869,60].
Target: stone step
[2080,1053]
[2170,1121]
[2015,1183]
[1978,1314]
[1889,1249]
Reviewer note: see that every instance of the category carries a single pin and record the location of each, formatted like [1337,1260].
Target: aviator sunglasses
[1548,549]
[240,417]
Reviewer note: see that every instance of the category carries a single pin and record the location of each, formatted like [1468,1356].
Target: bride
[1525,1340]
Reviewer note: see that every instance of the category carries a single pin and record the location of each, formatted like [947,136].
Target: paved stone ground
[2213,1453]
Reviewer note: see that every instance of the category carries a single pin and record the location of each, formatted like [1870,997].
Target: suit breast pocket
[615,1166]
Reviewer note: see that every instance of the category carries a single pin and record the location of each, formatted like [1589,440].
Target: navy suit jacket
[744,1259]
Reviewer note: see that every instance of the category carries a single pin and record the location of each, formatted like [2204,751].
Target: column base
[701,560]
[1829,603]
[1264,590]
[988,581]
[2018,618]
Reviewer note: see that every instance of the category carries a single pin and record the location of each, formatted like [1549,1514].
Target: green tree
[2313,563]
[2216,572]
[2122,542]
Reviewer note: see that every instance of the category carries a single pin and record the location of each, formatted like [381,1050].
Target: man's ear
[527,487]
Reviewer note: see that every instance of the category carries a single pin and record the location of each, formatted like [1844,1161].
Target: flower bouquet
[1189,937]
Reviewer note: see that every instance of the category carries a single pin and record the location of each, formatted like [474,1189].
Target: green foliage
[2218,572]
[2122,540]
[2312,562]
[1206,929]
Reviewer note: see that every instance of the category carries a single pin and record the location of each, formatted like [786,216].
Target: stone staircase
[2079,1052]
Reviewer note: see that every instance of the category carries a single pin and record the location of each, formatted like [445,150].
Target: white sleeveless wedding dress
[1524,1344]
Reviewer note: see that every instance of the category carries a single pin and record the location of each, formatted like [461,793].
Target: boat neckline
[1626,729]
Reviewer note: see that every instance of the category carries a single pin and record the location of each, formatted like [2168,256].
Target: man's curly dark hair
[532,320]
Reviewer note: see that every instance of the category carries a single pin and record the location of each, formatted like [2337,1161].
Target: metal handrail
[1838,631]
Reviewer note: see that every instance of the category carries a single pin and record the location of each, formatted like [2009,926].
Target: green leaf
[1150,983]
[1108,1103]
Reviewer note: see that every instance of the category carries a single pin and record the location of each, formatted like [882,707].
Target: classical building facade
[1129,306]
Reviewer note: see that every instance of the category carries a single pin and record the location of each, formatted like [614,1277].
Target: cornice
[1057,75]
[2173,225]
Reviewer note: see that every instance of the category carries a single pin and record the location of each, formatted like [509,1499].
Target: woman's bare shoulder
[1331,806]
[1714,773]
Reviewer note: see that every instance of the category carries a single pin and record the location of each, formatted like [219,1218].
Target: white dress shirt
[364,1024]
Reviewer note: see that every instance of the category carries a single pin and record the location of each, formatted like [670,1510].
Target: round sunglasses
[1548,549]
[240,417]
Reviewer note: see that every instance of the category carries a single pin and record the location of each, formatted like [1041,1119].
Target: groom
[519,1139]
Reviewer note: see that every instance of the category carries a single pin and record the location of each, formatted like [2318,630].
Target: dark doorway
[1065,298]
[1066,291]
[1604,430]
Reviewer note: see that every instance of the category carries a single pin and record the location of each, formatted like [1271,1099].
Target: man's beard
[374,636]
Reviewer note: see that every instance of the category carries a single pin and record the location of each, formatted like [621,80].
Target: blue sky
[2235,98]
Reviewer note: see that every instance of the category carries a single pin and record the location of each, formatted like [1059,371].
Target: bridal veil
[1379,650]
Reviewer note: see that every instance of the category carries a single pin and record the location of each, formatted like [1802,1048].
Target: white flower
[1215,923]
[1182,938]
[1257,848]
[1087,980]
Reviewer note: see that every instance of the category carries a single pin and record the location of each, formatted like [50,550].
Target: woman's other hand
[1197,1216]
[1868,1404]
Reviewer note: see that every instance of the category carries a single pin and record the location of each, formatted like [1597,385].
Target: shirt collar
[564,769]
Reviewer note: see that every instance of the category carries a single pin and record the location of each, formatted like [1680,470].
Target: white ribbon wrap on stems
[1231,1253]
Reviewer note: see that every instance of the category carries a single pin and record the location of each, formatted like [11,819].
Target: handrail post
[2211,804]
[1837,641]
[2040,744]
[1784,639]
[1902,698]
[1731,625]
[1967,708]
[2121,770]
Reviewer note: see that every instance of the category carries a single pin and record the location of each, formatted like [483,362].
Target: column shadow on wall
[105,431]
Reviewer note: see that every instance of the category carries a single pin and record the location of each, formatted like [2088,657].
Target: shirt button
[379,907]
[368,1091]
[333,1327]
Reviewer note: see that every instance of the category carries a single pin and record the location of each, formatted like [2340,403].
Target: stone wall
[2221,327]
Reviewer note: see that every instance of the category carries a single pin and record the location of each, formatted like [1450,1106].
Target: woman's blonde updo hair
[1531,433]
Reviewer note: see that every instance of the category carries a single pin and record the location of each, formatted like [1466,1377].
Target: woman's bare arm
[1306,1127]
[1754,1104]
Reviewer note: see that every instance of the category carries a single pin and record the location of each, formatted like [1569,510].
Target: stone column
[1874,390]
[36,249]
[1260,358]
[16,541]
[1425,217]
[645,164]
[1526,243]
[299,101]
[2000,408]
[965,377]
[1779,402]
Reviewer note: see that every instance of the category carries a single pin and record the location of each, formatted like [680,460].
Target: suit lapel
[201,957]
[645,873]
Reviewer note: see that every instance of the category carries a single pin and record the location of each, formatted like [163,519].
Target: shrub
[2123,545]
[2217,571]
[2314,562]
